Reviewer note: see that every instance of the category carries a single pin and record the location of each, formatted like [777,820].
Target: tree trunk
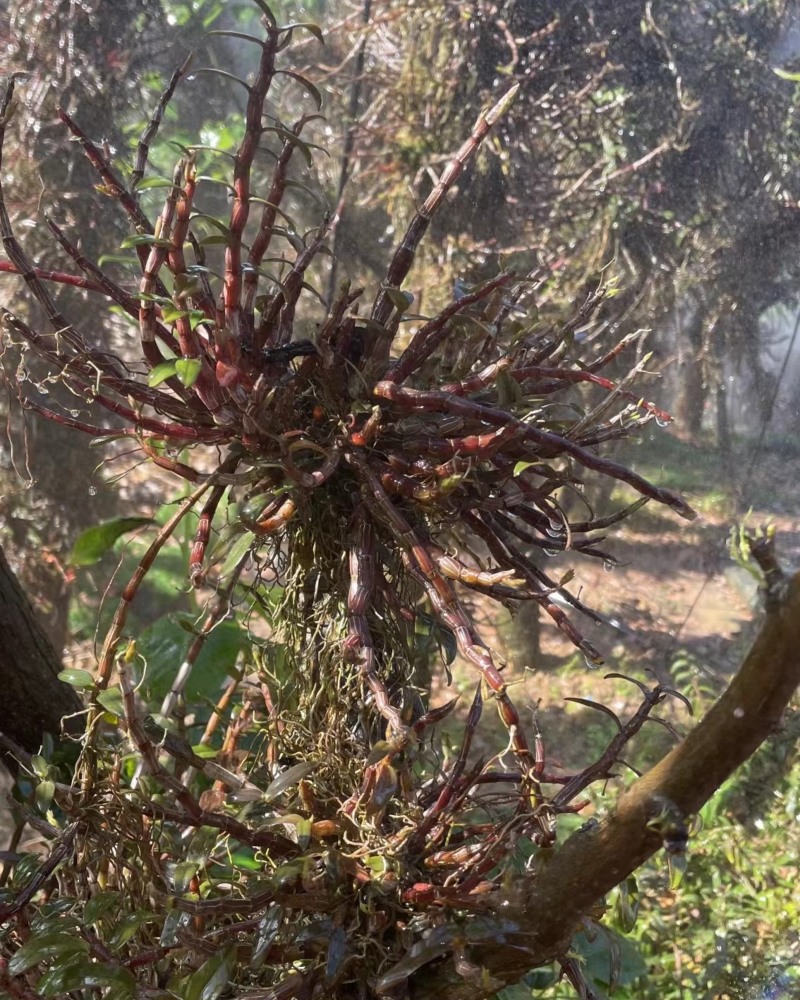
[524,639]
[34,700]
[724,441]
[692,390]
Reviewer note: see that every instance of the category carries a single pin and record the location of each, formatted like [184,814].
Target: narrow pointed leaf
[212,978]
[587,703]
[314,29]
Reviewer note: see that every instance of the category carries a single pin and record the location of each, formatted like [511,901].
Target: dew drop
[608,566]
[74,413]
[191,77]
[589,662]
[661,422]
[551,552]
[92,491]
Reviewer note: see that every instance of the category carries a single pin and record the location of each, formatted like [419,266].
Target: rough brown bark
[34,700]
[536,926]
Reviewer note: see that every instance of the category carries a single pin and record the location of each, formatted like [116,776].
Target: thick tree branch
[536,927]
[34,699]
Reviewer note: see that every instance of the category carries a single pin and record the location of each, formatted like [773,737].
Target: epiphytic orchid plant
[377,472]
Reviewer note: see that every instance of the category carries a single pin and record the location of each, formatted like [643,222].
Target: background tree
[660,139]
[100,59]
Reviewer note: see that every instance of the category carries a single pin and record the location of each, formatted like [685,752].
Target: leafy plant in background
[307,834]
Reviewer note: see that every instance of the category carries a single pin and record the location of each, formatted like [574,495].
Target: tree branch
[34,700]
[537,926]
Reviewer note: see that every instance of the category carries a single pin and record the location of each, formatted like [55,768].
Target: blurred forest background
[654,144]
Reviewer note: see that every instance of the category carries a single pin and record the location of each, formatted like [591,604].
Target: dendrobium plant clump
[371,476]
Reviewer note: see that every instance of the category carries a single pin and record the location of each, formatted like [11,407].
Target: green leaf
[399,299]
[174,921]
[42,947]
[39,766]
[115,258]
[99,905]
[309,26]
[111,700]
[77,678]
[163,647]
[307,85]
[540,979]
[267,932]
[213,14]
[127,928]
[45,791]
[220,226]
[187,370]
[24,870]
[676,863]
[784,74]
[290,222]
[66,975]
[197,316]
[183,875]
[155,182]
[161,373]
[608,958]
[93,544]
[236,553]
[626,905]
[315,195]
[144,239]
[237,34]
[100,975]
[208,241]
[289,777]
[289,137]
[169,313]
[211,979]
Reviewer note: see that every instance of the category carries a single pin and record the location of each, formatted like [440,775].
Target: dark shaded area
[34,699]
